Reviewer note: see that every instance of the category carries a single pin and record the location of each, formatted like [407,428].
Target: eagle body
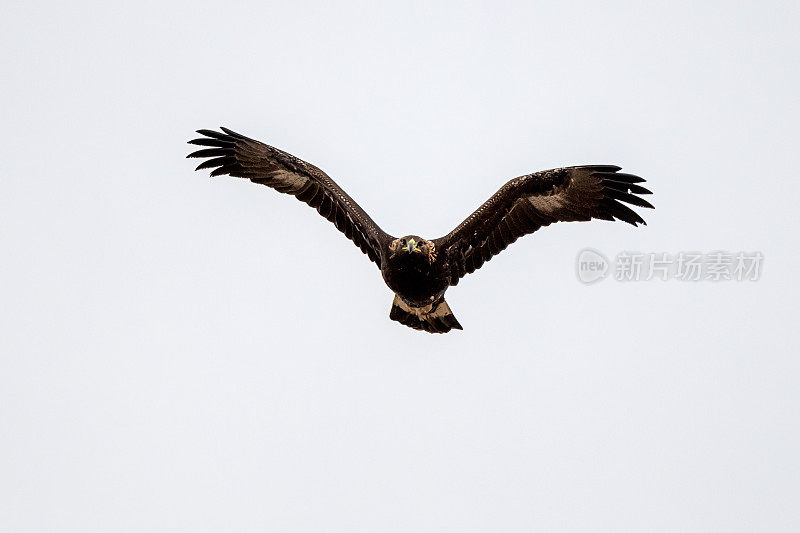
[418,270]
[417,278]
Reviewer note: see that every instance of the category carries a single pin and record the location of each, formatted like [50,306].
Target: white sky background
[188,354]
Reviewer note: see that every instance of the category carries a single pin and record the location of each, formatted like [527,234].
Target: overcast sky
[188,354]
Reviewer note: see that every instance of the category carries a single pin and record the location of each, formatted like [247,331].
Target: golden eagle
[418,270]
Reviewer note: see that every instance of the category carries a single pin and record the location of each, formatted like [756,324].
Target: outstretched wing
[239,156]
[525,204]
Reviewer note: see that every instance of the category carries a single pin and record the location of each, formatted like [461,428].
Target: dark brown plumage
[419,271]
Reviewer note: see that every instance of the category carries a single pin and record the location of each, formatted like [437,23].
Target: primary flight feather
[419,271]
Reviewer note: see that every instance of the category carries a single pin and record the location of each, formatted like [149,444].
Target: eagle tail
[433,318]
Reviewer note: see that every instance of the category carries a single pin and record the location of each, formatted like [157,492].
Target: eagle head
[412,245]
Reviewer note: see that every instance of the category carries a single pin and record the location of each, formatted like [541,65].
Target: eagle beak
[411,246]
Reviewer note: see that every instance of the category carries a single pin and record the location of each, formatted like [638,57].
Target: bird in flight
[419,270]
